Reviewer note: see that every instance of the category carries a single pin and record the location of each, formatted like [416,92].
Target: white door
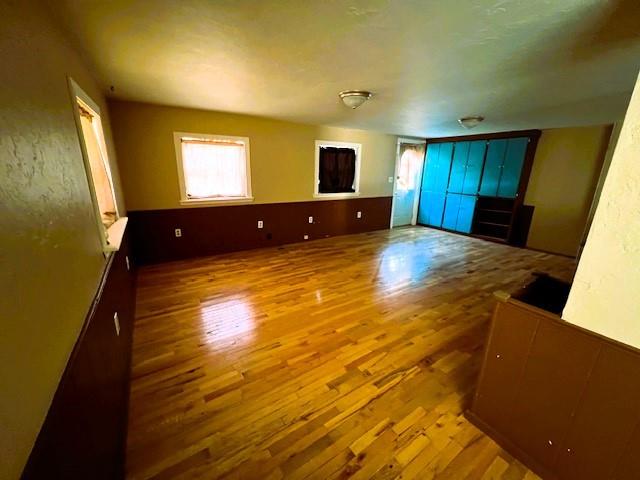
[407,182]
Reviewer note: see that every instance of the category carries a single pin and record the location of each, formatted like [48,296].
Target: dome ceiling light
[354,98]
[471,121]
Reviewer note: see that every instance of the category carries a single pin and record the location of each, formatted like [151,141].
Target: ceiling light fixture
[354,98]
[471,121]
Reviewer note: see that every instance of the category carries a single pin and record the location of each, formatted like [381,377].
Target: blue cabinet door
[423,210]
[512,167]
[465,213]
[444,167]
[434,183]
[430,167]
[450,217]
[458,167]
[493,167]
[473,169]
[436,209]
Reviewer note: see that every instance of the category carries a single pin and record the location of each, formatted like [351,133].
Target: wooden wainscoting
[219,229]
[564,400]
[84,433]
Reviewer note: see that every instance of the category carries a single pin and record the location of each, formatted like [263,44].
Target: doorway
[409,162]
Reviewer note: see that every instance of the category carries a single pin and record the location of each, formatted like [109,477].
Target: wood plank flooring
[348,357]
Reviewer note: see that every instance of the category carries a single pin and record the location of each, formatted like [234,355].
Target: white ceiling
[520,63]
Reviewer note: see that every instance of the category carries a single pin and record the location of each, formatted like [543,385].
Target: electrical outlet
[116,323]
[359,214]
[390,179]
[310,219]
[178,232]
[126,260]
[260,224]
[306,237]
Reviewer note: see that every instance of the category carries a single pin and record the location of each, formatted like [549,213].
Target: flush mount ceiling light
[471,121]
[354,98]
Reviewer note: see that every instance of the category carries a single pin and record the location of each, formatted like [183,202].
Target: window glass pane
[214,169]
[337,170]
[409,168]
[97,164]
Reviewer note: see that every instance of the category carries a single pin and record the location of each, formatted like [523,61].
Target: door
[408,170]
[493,167]
[434,183]
[473,167]
[465,213]
[503,166]
[451,209]
[512,167]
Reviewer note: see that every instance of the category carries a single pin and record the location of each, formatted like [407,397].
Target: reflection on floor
[346,357]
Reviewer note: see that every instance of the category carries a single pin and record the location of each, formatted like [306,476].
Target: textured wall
[564,176]
[282,153]
[50,252]
[606,289]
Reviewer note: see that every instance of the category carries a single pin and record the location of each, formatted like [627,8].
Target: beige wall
[282,153]
[605,295]
[50,251]
[563,180]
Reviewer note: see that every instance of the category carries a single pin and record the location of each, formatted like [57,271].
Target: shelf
[490,237]
[495,210]
[495,224]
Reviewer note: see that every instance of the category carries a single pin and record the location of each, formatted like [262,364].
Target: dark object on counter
[545,292]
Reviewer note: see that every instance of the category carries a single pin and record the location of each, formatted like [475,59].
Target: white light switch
[359,214]
[310,219]
[260,224]
[178,232]
[116,323]
[390,180]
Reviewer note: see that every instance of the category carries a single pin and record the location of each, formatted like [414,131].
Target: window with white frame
[96,162]
[337,171]
[213,168]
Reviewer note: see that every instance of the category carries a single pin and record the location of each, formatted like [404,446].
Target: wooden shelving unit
[494,217]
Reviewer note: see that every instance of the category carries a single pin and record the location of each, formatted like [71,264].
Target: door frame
[416,198]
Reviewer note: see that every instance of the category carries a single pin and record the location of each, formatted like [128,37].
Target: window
[213,168]
[410,165]
[96,163]
[337,169]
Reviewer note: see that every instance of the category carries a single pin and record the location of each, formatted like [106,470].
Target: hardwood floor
[349,357]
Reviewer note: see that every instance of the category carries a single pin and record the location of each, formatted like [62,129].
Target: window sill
[333,196]
[114,235]
[218,201]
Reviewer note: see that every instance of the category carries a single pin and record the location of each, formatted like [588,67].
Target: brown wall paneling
[629,465]
[605,419]
[84,433]
[506,353]
[576,413]
[219,229]
[555,376]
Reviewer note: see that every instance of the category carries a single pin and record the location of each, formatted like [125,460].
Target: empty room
[345,239]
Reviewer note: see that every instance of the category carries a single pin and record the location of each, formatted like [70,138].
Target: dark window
[337,170]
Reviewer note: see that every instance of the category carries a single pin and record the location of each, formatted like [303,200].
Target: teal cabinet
[458,212]
[473,171]
[493,168]
[450,218]
[466,167]
[512,167]
[458,167]
[466,212]
[503,166]
[435,180]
